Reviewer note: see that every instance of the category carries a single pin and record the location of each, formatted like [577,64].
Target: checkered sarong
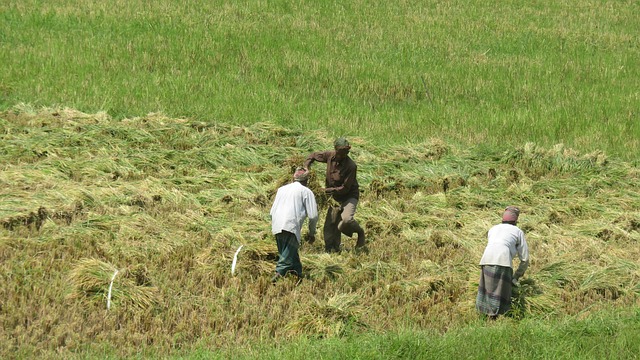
[494,290]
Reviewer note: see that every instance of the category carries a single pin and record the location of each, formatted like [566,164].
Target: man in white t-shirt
[505,241]
[294,203]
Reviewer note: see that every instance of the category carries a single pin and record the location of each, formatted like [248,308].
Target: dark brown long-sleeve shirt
[341,175]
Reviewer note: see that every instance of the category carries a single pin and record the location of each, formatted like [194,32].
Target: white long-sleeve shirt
[504,242]
[294,202]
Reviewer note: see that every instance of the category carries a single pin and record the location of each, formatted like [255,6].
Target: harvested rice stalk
[328,318]
[379,269]
[260,250]
[213,255]
[322,266]
[90,281]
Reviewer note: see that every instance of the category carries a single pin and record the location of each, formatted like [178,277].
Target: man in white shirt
[294,203]
[505,241]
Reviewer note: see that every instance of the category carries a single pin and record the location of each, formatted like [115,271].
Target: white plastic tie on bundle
[235,261]
[110,287]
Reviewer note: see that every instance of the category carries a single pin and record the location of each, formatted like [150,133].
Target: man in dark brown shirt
[342,185]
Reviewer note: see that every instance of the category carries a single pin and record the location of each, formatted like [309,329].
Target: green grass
[572,338]
[529,339]
[465,71]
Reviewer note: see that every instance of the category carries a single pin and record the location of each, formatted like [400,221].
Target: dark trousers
[339,220]
[288,256]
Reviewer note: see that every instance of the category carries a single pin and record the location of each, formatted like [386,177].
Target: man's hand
[310,238]
[329,191]
[515,282]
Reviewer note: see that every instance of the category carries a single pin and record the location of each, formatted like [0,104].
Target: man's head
[301,175]
[342,147]
[511,214]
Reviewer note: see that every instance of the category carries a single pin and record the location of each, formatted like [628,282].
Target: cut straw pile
[168,202]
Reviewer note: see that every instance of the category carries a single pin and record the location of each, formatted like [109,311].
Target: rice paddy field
[141,146]
[122,234]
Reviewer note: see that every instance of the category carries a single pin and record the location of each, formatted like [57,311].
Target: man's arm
[321,156]
[523,254]
[311,208]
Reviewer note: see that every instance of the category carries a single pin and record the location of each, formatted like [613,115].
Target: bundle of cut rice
[93,280]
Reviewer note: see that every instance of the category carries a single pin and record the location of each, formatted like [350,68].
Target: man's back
[293,203]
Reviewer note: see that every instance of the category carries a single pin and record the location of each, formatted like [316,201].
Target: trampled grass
[79,203]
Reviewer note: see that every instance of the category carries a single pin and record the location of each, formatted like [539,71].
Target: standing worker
[294,202]
[505,240]
[342,185]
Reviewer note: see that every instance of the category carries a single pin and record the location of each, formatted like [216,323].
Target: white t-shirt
[505,241]
[294,202]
